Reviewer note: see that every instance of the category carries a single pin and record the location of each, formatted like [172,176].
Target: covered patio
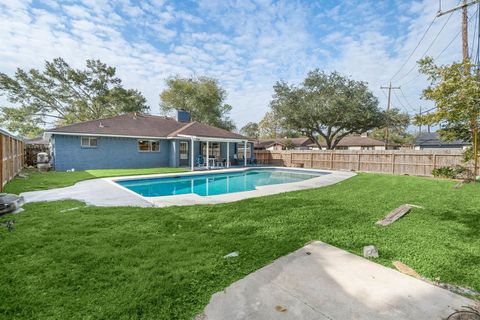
[206,153]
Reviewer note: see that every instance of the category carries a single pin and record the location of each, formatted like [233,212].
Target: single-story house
[281,144]
[432,141]
[143,141]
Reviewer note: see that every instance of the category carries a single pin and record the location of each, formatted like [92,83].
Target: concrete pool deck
[106,192]
[320,281]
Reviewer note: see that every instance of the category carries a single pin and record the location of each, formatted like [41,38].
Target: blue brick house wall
[111,153]
[119,153]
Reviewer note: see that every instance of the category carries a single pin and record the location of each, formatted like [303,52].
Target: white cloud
[248,45]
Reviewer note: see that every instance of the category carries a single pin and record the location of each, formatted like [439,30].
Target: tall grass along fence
[411,162]
[11,156]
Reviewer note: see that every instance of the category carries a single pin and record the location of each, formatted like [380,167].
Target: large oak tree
[202,97]
[329,107]
[62,95]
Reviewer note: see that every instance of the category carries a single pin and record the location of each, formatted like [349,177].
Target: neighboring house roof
[297,142]
[432,139]
[355,141]
[37,140]
[142,125]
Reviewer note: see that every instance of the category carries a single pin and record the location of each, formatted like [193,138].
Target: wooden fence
[11,157]
[410,162]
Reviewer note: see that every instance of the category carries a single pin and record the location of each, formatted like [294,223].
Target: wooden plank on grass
[396,214]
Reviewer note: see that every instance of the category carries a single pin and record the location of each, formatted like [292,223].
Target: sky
[247,45]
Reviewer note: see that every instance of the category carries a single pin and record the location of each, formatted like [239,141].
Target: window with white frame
[148,145]
[240,152]
[89,142]
[183,150]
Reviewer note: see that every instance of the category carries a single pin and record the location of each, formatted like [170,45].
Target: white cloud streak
[247,45]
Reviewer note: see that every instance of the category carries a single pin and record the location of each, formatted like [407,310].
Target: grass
[47,180]
[165,263]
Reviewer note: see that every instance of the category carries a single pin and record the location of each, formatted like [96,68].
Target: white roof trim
[48,134]
[211,138]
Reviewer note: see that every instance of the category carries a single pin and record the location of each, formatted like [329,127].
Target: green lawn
[47,180]
[165,263]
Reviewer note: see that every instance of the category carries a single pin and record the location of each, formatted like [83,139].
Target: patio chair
[253,161]
[199,160]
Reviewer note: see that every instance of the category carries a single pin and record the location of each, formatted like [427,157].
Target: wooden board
[396,214]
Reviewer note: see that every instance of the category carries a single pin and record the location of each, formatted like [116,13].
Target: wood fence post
[434,160]
[311,159]
[290,159]
[393,162]
[331,160]
[358,162]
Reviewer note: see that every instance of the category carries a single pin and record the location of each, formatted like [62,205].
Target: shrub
[454,172]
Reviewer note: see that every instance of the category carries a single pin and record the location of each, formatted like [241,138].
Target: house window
[213,150]
[368,148]
[148,145]
[240,151]
[89,142]
[341,148]
[183,150]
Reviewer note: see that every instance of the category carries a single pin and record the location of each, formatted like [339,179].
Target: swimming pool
[215,183]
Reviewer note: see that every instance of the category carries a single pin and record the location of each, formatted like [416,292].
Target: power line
[428,48]
[441,52]
[406,100]
[474,36]
[399,101]
[415,49]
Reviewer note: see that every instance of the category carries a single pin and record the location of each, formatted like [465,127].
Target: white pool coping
[106,192]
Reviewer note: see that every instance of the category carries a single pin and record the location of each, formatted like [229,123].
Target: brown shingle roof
[141,125]
[202,130]
[297,142]
[354,141]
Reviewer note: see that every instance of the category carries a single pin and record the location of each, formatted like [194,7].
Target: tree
[456,93]
[270,127]
[251,130]
[397,131]
[201,96]
[289,145]
[328,107]
[62,95]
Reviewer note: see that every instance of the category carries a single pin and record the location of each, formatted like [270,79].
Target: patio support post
[208,157]
[245,153]
[192,160]
[228,154]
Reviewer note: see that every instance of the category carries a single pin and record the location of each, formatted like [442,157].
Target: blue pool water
[214,184]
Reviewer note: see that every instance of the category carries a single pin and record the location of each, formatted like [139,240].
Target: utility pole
[386,130]
[473,121]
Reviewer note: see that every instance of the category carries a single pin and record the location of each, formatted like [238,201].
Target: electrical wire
[474,37]
[415,49]
[406,100]
[428,48]
[442,52]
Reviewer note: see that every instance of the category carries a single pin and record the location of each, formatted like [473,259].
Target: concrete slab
[106,192]
[330,283]
[97,192]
